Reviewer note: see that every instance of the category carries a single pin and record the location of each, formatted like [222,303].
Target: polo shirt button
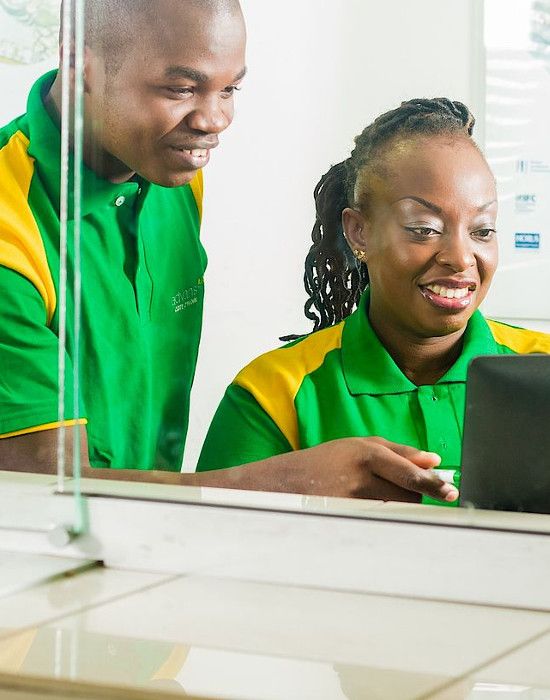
[119,201]
[434,398]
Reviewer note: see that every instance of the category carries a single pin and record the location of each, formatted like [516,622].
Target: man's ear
[71,55]
[88,67]
[87,60]
[355,230]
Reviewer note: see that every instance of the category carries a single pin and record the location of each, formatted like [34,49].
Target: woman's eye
[422,231]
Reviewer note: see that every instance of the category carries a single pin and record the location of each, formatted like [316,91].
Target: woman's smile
[450,295]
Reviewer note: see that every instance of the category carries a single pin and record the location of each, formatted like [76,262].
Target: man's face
[161,109]
[430,238]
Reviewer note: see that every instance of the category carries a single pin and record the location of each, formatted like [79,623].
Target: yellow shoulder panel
[520,340]
[197,187]
[21,246]
[274,379]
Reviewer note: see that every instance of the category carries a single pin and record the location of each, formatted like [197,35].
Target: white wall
[319,72]
[28,48]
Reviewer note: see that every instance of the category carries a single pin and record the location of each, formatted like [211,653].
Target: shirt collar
[370,369]
[45,148]
[478,340]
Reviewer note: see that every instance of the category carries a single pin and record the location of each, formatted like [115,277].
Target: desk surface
[234,639]
[322,505]
[207,635]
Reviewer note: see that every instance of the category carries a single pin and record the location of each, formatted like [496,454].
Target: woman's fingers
[419,457]
[410,469]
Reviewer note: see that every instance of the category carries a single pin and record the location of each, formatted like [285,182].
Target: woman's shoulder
[291,362]
[518,339]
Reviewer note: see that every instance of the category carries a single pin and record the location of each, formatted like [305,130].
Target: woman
[405,232]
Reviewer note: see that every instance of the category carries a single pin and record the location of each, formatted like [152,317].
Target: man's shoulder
[14,145]
[16,126]
[21,244]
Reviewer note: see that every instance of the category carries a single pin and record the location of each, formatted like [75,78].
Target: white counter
[265,602]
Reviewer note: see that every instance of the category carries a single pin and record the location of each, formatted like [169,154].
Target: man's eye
[230,90]
[181,91]
[485,233]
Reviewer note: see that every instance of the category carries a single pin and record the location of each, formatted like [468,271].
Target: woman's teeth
[449,292]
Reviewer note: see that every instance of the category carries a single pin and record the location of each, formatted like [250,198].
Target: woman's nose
[456,252]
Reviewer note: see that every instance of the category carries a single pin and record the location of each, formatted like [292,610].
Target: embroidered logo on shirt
[185,298]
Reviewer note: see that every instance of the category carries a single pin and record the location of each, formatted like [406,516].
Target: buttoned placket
[129,202]
[437,410]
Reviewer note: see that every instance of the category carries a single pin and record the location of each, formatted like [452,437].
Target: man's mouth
[189,158]
[197,152]
[194,152]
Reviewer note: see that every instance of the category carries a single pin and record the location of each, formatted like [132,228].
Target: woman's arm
[350,467]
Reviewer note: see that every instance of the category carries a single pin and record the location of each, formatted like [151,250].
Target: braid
[334,280]
[333,288]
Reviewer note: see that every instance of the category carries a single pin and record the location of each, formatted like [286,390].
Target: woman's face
[429,235]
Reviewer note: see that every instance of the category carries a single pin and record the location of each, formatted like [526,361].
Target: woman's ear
[355,230]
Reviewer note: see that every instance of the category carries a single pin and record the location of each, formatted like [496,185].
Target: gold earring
[359,254]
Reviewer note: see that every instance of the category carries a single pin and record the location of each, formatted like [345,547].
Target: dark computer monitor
[506,446]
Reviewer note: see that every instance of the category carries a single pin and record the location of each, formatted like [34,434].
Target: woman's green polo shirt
[341,382]
[142,268]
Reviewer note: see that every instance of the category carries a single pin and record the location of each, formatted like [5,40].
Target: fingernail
[449,492]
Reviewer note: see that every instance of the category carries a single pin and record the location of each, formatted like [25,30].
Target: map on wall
[29,31]
[517,143]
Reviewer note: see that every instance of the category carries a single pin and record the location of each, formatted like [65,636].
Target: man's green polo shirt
[341,382]
[142,268]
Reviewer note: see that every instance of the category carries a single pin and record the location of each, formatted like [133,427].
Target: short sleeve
[28,359]
[240,432]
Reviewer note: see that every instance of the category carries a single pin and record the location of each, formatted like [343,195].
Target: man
[159,84]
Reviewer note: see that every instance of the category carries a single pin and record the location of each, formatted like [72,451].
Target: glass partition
[39,222]
[257,211]
[176,144]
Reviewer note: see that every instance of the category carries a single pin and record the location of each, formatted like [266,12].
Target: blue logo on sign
[526,198]
[527,240]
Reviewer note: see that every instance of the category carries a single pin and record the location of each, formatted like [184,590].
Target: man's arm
[350,467]
[37,452]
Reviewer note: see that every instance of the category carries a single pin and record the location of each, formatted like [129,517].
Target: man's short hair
[110,25]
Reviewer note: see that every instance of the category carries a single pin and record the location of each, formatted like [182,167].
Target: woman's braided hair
[334,279]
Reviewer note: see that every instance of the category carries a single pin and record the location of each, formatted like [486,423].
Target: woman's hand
[379,469]
[350,467]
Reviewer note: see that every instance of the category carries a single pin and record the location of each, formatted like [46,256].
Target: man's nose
[456,251]
[210,116]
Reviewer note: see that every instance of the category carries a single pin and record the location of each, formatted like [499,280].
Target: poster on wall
[517,145]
